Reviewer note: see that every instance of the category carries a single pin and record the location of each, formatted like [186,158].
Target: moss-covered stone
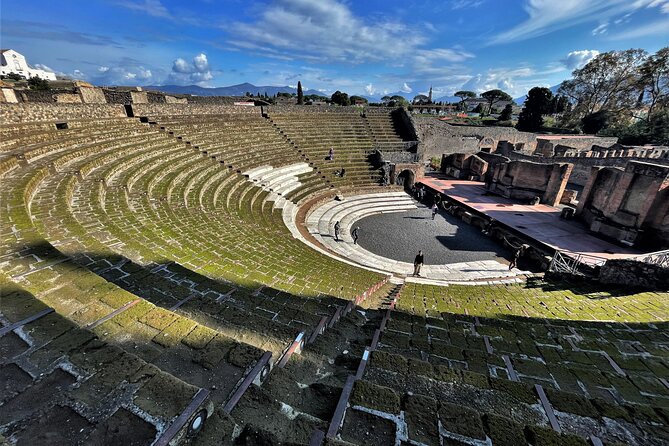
[421,418]
[389,361]
[199,337]
[243,355]
[447,374]
[164,395]
[540,436]
[504,431]
[376,397]
[158,318]
[521,392]
[571,403]
[461,420]
[475,379]
[418,367]
[174,333]
[611,410]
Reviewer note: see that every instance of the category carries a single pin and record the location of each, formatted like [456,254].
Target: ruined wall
[547,145]
[523,180]
[35,112]
[92,95]
[437,137]
[8,95]
[634,273]
[67,98]
[630,205]
[117,97]
[583,166]
[139,97]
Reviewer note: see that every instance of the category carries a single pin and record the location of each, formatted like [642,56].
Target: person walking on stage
[336,229]
[520,251]
[417,263]
[355,234]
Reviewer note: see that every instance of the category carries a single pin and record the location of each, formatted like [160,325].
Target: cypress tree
[300,95]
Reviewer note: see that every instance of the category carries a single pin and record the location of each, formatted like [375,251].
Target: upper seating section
[348,134]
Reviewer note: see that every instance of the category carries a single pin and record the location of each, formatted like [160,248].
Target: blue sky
[370,47]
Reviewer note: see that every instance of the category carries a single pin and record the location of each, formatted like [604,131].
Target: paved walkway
[541,222]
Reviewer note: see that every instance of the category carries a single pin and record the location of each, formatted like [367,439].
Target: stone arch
[487,144]
[406,178]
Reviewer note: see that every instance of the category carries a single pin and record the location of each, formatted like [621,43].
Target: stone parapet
[39,112]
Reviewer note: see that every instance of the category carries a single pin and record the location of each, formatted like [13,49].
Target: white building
[13,62]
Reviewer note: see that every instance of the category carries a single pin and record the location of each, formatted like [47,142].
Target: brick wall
[438,138]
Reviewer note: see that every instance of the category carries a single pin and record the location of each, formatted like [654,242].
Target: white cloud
[197,71]
[656,28]
[423,57]
[201,63]
[578,59]
[370,90]
[600,29]
[151,7]
[405,88]
[40,66]
[515,81]
[545,16]
[324,30]
[181,66]
[103,69]
[466,4]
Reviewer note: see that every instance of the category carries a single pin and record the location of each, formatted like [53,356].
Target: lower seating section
[62,384]
[457,364]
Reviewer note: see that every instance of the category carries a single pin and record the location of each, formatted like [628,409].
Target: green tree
[654,82]
[300,94]
[611,81]
[421,99]
[495,96]
[398,101]
[464,95]
[37,83]
[537,104]
[480,109]
[507,113]
[355,99]
[340,98]
[595,122]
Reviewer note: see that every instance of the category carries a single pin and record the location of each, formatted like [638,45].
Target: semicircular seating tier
[320,224]
[155,272]
[152,237]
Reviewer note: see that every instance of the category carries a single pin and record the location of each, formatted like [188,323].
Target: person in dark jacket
[417,263]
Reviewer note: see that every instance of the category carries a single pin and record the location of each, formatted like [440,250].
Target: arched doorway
[406,178]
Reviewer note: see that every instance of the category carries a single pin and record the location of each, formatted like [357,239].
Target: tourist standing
[417,263]
[337,227]
[517,255]
[435,209]
[331,154]
[355,234]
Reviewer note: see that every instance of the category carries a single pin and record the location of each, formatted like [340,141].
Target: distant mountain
[521,100]
[450,99]
[232,90]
